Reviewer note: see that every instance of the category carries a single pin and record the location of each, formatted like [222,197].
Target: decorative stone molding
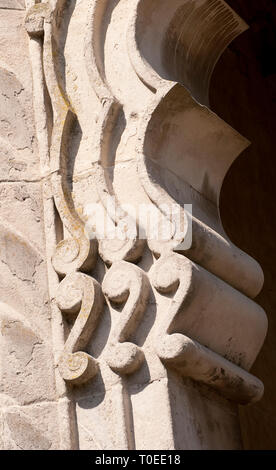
[120,94]
[125,282]
[202,334]
[81,294]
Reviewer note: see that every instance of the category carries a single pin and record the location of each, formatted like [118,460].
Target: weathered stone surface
[103,321]
[27,384]
[12,4]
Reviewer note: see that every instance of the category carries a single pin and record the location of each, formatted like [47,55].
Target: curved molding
[78,252]
[79,293]
[110,250]
[198,316]
[126,283]
[200,142]
[184,138]
[181,41]
[172,44]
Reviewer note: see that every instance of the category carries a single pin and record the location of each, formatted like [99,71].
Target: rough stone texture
[12,4]
[108,330]
[28,402]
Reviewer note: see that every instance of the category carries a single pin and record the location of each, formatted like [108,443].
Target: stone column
[152,329]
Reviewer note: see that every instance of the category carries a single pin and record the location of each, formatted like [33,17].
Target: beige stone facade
[128,318]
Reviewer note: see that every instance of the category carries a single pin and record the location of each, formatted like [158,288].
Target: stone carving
[79,292]
[172,103]
[111,250]
[126,283]
[120,92]
[211,319]
[77,252]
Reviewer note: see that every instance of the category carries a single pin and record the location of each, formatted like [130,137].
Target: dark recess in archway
[243,93]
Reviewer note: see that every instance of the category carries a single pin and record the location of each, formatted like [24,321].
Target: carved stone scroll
[125,283]
[79,294]
[111,250]
[206,311]
[78,252]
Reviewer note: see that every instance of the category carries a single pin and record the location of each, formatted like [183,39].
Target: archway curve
[242,92]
